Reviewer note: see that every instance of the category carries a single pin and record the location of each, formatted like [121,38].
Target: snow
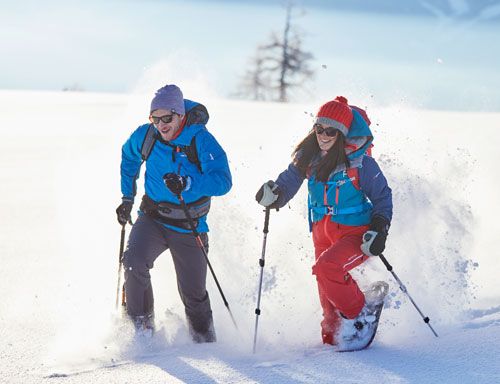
[60,154]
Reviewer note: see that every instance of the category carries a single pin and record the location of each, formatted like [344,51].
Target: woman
[348,197]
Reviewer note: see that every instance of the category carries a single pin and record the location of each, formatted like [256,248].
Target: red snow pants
[337,251]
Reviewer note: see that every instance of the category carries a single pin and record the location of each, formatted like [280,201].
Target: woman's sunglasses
[165,118]
[329,131]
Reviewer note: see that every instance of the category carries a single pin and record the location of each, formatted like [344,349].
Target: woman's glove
[374,239]
[268,194]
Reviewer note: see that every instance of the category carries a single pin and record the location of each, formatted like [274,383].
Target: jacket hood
[359,138]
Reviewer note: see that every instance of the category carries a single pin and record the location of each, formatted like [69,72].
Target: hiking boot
[203,335]
[144,325]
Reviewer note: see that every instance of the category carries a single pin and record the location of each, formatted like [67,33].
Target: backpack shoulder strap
[353,175]
[148,143]
[192,153]
[190,150]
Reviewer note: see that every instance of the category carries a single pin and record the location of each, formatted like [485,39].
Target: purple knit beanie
[170,98]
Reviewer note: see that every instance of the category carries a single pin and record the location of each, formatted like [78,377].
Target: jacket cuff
[380,224]
[126,199]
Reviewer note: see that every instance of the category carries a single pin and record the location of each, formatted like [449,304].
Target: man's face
[167,130]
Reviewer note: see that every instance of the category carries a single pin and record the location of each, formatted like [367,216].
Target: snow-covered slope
[59,155]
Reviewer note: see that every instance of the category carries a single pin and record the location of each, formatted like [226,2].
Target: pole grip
[266,220]
[122,244]
[386,263]
[120,262]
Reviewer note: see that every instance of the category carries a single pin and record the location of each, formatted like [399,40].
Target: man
[183,161]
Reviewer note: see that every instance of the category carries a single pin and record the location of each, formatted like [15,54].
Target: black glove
[374,239]
[123,212]
[176,183]
[268,194]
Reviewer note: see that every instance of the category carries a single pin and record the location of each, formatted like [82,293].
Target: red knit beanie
[336,114]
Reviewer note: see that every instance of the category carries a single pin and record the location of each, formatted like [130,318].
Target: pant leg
[191,269]
[145,244]
[331,318]
[332,267]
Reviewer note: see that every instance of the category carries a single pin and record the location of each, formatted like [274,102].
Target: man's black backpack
[197,115]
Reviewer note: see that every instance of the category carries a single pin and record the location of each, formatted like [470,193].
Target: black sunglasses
[165,118]
[329,131]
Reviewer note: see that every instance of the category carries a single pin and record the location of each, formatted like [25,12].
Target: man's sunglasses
[165,118]
[329,131]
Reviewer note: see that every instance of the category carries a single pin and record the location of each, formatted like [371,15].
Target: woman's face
[326,136]
[169,129]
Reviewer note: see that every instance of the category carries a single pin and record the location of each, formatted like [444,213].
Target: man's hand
[176,183]
[123,212]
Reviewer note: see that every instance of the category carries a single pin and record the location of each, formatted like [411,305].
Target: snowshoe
[358,333]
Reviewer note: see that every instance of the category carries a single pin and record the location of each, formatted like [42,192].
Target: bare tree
[278,66]
[255,82]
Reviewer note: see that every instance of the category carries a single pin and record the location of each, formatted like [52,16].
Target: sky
[438,55]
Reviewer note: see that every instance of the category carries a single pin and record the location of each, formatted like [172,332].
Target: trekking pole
[202,247]
[261,263]
[403,288]
[120,263]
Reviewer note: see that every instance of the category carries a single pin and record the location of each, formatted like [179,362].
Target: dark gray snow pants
[148,239]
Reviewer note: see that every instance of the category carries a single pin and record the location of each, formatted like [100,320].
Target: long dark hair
[308,148]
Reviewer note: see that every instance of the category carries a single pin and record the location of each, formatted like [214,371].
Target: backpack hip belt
[173,214]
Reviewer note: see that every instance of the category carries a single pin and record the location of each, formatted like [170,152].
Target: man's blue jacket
[214,179]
